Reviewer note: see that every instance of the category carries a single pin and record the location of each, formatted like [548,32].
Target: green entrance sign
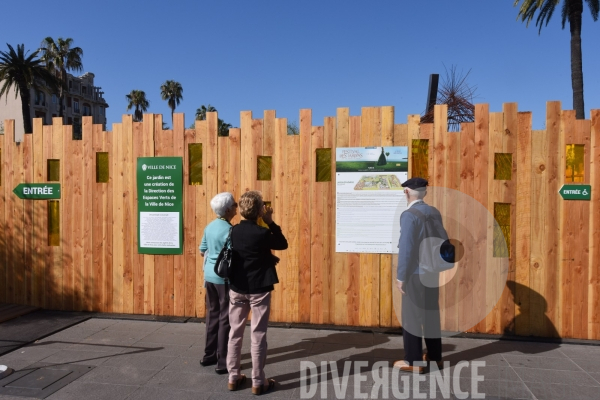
[37,191]
[576,192]
[160,205]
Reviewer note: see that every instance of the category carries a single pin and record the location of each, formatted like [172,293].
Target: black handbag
[224,263]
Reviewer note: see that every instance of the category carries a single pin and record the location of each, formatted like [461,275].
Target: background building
[81,99]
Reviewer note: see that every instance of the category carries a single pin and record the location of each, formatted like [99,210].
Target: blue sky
[286,55]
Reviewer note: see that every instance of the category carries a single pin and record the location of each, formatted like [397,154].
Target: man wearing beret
[420,303]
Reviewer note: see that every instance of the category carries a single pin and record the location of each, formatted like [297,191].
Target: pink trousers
[239,307]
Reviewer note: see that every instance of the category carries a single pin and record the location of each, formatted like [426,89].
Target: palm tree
[23,71]
[137,99]
[572,11]
[201,112]
[222,127]
[60,57]
[173,93]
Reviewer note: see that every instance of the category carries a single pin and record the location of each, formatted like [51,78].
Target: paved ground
[158,360]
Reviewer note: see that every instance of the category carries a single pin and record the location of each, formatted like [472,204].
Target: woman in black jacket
[251,284]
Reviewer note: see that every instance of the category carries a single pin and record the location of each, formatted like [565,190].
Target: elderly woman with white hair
[217,297]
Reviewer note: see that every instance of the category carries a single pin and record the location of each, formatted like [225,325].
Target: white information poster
[159,230]
[369,198]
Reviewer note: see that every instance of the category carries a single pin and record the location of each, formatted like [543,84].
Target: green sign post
[37,191]
[576,192]
[160,205]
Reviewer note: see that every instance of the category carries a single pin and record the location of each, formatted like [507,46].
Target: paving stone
[171,338]
[153,393]
[358,339]
[581,352]
[545,391]
[553,376]
[145,326]
[77,357]
[588,365]
[93,391]
[563,364]
[97,323]
[139,360]
[119,375]
[30,353]
[184,329]
[501,389]
[190,381]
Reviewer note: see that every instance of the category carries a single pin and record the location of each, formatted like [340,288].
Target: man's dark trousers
[217,324]
[421,317]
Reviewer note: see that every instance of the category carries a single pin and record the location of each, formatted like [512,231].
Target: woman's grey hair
[418,193]
[221,203]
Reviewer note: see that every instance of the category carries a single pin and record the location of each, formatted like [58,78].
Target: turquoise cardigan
[213,240]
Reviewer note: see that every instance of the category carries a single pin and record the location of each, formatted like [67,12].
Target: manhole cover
[40,381]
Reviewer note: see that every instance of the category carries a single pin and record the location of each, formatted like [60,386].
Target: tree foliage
[137,99]
[22,71]
[572,11]
[172,92]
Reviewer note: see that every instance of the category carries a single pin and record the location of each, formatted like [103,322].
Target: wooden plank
[317,268]
[3,237]
[401,138]
[235,167]
[329,139]
[148,129]
[386,274]
[88,178]
[341,259]
[223,164]
[594,267]
[280,213]
[28,222]
[17,216]
[495,195]
[291,228]
[56,252]
[354,290]
[369,263]
[580,223]
[523,227]
[138,267]
[179,260]
[567,127]
[168,261]
[201,220]
[465,275]
[77,215]
[304,257]
[129,218]
[268,190]
[47,250]
[110,138]
[66,217]
[39,219]
[10,203]
[190,242]
[99,202]
[248,160]
[118,218]
[438,176]
[510,139]
[481,195]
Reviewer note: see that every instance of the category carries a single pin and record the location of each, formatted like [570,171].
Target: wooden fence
[554,275]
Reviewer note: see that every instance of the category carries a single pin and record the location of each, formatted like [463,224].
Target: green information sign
[160,205]
[38,191]
[576,192]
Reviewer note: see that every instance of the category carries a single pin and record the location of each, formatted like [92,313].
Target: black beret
[415,183]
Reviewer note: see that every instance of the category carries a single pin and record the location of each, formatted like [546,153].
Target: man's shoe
[206,363]
[406,367]
[222,371]
[440,364]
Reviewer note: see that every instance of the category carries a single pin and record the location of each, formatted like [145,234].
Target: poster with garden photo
[369,198]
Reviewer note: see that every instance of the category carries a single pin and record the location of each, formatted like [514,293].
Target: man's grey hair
[221,203]
[418,193]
